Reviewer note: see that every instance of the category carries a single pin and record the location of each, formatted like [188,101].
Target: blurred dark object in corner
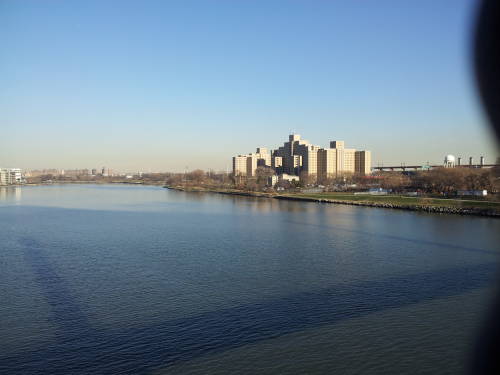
[486,358]
[487,60]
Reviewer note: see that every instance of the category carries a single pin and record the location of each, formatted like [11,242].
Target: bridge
[404,167]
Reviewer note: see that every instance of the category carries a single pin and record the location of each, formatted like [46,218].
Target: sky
[168,85]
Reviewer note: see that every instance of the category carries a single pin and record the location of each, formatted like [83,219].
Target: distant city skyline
[161,86]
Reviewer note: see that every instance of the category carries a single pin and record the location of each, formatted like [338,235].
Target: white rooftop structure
[449,161]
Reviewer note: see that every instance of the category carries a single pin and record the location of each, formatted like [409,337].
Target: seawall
[420,208]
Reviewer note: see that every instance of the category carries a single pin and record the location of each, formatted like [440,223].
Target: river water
[116,279]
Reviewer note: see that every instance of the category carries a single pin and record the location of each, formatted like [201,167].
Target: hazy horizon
[162,86]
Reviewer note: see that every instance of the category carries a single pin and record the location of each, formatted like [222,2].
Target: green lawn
[402,200]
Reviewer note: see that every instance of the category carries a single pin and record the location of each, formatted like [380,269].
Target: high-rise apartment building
[276,162]
[345,157]
[363,162]
[327,164]
[309,156]
[337,144]
[349,161]
[264,157]
[252,164]
[240,165]
[299,156]
[246,165]
[294,153]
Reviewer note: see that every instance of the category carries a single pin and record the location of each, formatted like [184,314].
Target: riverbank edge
[86,183]
[419,208]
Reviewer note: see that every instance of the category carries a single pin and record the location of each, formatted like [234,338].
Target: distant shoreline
[490,209]
[88,183]
[429,208]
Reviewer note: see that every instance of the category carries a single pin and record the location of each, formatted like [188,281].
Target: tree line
[442,181]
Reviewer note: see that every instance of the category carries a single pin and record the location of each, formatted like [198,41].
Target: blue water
[108,279]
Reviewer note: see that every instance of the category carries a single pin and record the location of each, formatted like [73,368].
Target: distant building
[10,176]
[294,152]
[476,193]
[309,156]
[349,161]
[36,173]
[252,160]
[327,164]
[273,180]
[75,172]
[246,165]
[264,157]
[363,162]
[277,164]
[240,165]
[298,156]
[4,176]
[288,177]
[337,144]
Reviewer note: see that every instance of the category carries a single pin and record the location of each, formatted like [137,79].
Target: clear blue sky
[160,85]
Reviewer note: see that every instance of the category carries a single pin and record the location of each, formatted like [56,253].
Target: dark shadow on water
[417,241]
[81,350]
[66,312]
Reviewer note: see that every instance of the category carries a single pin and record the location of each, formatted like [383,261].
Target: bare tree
[262,174]
[396,182]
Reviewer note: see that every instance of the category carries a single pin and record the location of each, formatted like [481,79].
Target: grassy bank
[403,200]
[432,205]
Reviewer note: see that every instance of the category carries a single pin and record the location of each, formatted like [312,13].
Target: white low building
[476,193]
[288,177]
[10,176]
[273,180]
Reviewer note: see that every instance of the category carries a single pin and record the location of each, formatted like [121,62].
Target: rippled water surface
[130,279]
